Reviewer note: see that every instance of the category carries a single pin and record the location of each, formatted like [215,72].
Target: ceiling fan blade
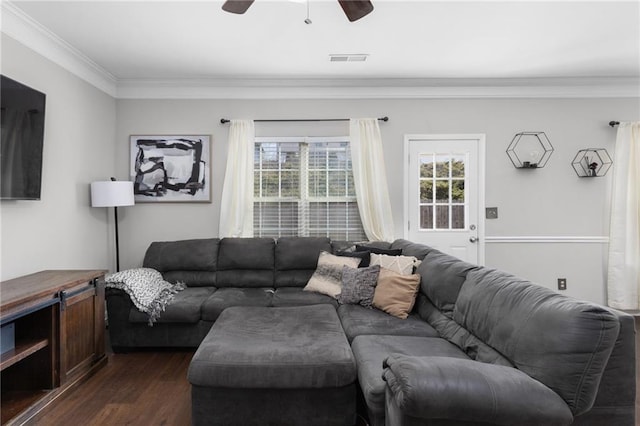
[237,6]
[356,9]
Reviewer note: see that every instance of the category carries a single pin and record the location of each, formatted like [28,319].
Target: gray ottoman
[274,366]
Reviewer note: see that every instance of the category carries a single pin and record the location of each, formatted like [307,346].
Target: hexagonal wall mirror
[529,150]
[592,162]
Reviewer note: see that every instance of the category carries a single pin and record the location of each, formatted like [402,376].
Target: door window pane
[426,165]
[426,191]
[457,166]
[442,166]
[457,191]
[442,217]
[457,217]
[426,217]
[442,191]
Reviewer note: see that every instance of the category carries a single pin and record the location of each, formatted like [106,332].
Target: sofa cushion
[410,248]
[185,307]
[327,278]
[371,351]
[234,296]
[562,342]
[447,328]
[466,392]
[395,293]
[246,262]
[296,258]
[358,320]
[358,285]
[295,296]
[442,276]
[193,262]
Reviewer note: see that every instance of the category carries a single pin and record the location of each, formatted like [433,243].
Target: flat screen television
[22,135]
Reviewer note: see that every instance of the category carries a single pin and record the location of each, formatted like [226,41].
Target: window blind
[304,187]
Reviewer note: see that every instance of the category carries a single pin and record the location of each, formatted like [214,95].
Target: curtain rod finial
[614,123]
[224,121]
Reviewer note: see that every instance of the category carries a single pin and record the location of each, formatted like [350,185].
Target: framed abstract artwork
[171,168]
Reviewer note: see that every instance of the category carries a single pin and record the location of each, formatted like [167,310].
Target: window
[442,191]
[304,187]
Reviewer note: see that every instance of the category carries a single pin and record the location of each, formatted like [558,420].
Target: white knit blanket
[148,291]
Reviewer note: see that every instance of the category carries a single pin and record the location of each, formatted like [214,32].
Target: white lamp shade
[112,193]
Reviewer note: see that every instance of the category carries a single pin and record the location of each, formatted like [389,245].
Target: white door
[444,193]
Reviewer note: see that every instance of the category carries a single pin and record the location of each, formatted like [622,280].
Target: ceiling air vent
[360,57]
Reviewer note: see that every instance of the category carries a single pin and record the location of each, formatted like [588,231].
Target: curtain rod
[614,123]
[225,121]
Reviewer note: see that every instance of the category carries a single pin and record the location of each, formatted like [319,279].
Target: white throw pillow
[327,279]
[401,264]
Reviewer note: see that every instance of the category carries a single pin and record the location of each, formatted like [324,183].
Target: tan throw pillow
[327,279]
[396,293]
[401,264]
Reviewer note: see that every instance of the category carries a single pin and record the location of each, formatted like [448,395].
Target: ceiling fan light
[356,9]
[237,6]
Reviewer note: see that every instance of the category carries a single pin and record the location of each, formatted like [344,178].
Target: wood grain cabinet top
[59,322]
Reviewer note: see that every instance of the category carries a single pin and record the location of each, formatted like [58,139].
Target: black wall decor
[529,150]
[592,162]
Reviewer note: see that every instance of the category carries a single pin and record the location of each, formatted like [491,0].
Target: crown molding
[21,27]
[392,88]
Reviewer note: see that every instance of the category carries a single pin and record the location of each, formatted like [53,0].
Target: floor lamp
[112,193]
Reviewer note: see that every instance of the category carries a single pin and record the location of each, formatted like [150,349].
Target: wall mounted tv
[22,134]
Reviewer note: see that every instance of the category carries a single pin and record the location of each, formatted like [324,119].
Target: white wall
[87,138]
[550,202]
[61,231]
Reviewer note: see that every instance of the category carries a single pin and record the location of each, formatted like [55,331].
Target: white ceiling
[165,40]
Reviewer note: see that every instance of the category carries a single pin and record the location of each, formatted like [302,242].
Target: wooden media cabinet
[58,326]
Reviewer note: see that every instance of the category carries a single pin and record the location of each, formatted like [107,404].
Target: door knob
[473,239]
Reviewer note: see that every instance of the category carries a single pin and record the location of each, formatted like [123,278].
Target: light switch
[491,212]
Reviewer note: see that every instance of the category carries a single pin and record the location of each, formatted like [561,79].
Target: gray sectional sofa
[481,347]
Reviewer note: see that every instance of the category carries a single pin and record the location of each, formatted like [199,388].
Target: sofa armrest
[466,390]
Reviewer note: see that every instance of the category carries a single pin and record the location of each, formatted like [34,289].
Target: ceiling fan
[354,9]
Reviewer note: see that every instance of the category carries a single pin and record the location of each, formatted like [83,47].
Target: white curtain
[370,179]
[236,208]
[623,281]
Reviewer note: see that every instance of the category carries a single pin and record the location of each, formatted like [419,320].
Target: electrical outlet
[562,283]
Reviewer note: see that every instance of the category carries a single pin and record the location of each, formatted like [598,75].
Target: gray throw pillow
[359,285]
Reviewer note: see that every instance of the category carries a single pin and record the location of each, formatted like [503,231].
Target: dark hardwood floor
[150,388]
[141,388]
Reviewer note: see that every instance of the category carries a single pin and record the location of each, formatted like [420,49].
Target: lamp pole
[115,217]
[115,213]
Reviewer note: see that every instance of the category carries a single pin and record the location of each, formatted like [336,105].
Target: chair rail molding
[547,239]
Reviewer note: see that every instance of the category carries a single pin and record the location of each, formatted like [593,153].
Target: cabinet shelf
[57,324]
[21,351]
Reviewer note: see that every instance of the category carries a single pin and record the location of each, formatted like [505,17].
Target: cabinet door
[81,328]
